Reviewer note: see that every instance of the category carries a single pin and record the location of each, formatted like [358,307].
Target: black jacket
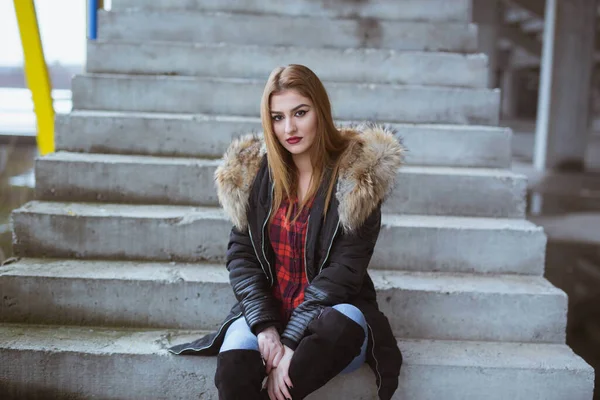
[338,247]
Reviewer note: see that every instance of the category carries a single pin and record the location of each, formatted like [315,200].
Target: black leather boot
[239,375]
[332,342]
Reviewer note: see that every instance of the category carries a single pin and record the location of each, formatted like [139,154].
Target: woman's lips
[294,140]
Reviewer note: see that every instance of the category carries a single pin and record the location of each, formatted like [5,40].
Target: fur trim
[234,177]
[367,174]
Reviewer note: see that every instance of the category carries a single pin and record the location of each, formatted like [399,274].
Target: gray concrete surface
[146,232]
[206,136]
[383,103]
[196,234]
[458,192]
[158,180]
[126,179]
[256,62]
[198,296]
[577,227]
[262,29]
[458,244]
[412,10]
[51,362]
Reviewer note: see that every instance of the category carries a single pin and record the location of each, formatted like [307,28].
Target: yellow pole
[36,74]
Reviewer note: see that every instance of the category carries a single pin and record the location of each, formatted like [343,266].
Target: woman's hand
[279,379]
[270,347]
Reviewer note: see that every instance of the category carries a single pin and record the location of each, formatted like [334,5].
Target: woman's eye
[300,113]
[276,117]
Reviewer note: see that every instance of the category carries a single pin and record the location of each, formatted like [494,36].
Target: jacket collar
[366,177]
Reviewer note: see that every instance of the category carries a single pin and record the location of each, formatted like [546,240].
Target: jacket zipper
[375,358]
[257,257]
[328,250]
[330,244]
[214,339]
[305,243]
[263,235]
[269,275]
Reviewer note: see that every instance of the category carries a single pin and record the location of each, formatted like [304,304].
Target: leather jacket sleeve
[249,283]
[340,280]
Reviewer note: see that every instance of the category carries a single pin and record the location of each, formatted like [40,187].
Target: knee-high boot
[239,375]
[333,341]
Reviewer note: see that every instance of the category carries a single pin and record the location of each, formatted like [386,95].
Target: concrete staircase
[122,252]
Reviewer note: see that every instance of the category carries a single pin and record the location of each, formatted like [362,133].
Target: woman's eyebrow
[293,109]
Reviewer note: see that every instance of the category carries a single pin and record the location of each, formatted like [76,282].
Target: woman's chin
[295,150]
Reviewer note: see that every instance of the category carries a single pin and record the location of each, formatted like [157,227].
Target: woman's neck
[305,170]
[303,164]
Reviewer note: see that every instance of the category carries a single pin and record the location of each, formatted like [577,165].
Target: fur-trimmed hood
[366,177]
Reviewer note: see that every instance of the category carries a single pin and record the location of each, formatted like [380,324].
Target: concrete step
[53,362]
[255,62]
[425,305]
[196,135]
[416,10]
[187,181]
[211,27]
[351,101]
[145,232]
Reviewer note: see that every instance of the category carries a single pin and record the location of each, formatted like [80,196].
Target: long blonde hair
[325,151]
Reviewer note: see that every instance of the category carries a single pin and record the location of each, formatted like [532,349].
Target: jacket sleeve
[339,281]
[250,285]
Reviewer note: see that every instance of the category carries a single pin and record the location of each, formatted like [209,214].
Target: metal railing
[36,70]
[36,74]
[93,7]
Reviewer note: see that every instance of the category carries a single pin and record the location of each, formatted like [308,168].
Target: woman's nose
[290,126]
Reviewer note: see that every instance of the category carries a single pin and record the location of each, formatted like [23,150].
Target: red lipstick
[294,140]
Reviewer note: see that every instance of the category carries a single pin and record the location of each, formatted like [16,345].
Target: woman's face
[294,121]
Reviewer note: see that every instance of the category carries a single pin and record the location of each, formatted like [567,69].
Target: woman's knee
[353,313]
[341,323]
[239,337]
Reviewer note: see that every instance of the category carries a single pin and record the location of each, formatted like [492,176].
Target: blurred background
[564,198]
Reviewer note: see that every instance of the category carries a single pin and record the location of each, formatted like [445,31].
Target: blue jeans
[240,337]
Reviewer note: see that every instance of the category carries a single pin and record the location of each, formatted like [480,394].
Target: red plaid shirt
[288,240]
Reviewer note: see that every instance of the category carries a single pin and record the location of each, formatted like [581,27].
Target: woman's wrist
[270,330]
[263,326]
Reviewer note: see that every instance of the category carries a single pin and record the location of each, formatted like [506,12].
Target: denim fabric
[240,337]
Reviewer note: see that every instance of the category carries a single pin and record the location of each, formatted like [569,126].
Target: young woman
[305,201]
